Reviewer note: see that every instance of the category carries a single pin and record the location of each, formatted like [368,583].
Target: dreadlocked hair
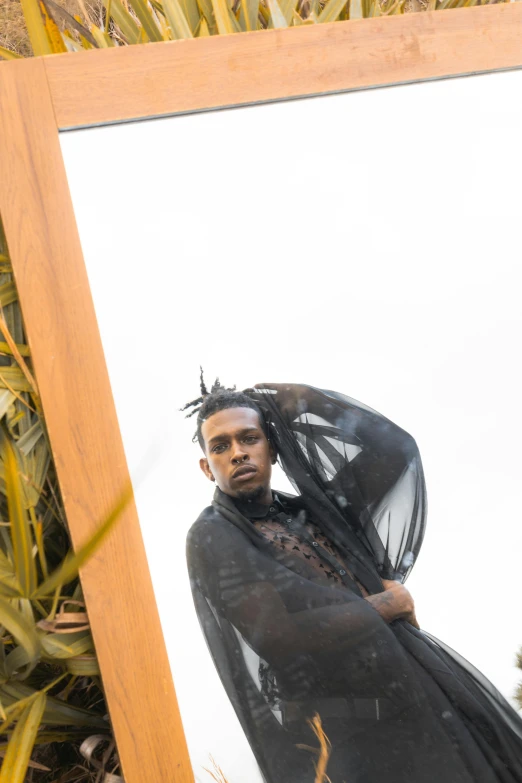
[219,398]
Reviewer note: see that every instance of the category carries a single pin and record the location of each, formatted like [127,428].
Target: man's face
[239,457]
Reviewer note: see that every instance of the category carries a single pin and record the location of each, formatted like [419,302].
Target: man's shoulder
[209,519]
[209,515]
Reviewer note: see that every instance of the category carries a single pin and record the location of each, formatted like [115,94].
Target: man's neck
[263,499]
[254,509]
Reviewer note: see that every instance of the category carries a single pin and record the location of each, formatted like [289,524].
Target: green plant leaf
[20,627]
[7,591]
[57,712]
[9,585]
[66,645]
[203,30]
[6,398]
[83,666]
[192,13]
[68,570]
[35,466]
[276,14]
[103,39]
[223,16]
[250,10]
[21,743]
[124,20]
[45,737]
[36,28]
[7,54]
[24,564]
[8,292]
[16,661]
[288,8]
[176,19]
[23,350]
[29,439]
[208,14]
[331,11]
[147,20]
[12,378]
[8,580]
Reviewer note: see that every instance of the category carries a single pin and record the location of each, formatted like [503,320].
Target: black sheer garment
[289,642]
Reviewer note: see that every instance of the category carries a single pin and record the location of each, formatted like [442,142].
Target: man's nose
[239,455]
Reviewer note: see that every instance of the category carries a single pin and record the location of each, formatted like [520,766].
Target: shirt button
[314,543]
[272,509]
[342,572]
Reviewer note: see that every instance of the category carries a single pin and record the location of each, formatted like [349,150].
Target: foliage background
[53,715]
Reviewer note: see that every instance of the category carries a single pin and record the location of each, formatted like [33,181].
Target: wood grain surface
[111,85]
[68,358]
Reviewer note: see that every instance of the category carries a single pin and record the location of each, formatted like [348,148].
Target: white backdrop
[207,239]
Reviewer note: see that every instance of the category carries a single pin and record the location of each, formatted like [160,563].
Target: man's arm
[261,616]
[258,596]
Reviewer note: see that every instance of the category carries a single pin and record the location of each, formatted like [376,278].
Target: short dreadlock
[219,398]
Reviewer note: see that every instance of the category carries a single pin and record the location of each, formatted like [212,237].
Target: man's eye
[219,448]
[251,438]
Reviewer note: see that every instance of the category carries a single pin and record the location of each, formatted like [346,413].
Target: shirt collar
[253,510]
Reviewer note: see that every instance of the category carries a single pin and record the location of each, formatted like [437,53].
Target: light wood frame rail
[42,96]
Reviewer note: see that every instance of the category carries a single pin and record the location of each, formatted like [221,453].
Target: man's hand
[395,603]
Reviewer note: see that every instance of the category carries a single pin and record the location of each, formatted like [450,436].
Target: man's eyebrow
[226,436]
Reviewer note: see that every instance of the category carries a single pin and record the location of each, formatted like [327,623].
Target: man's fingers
[414,622]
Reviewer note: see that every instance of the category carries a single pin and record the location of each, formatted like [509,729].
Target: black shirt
[305,542]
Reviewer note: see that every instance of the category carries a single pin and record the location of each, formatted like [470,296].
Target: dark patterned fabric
[305,545]
[396,704]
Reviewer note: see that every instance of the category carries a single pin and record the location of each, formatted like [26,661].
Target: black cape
[396,703]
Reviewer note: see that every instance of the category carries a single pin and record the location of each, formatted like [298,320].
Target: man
[300,603]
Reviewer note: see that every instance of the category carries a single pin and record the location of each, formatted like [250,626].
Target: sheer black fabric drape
[396,703]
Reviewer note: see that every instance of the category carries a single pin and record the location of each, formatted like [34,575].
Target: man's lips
[244,472]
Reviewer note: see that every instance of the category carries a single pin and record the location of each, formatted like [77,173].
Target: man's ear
[203,464]
[273,455]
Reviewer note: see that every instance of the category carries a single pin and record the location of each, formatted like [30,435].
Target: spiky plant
[51,696]
[55,26]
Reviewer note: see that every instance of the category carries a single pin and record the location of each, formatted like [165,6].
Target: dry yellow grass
[322,753]
[13,30]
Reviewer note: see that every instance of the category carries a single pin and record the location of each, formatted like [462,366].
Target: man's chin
[251,495]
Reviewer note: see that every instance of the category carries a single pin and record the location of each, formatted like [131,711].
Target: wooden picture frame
[43,96]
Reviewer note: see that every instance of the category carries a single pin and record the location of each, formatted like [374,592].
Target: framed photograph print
[325,207]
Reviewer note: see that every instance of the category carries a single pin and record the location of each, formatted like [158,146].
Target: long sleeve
[279,613]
